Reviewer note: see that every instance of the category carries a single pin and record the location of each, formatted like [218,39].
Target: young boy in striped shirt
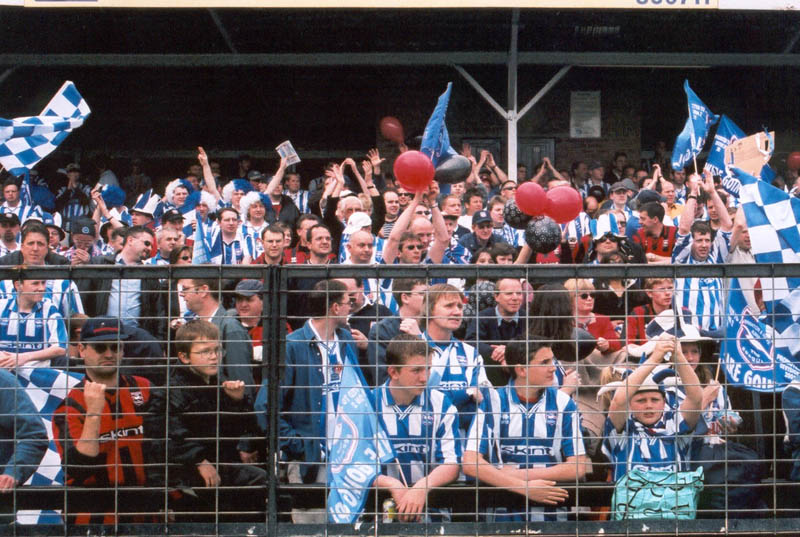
[422,425]
[526,438]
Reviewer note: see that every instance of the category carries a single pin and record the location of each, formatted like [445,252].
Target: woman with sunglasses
[508,190]
[597,324]
[179,256]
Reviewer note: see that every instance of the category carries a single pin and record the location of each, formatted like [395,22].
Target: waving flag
[435,139]
[207,248]
[762,353]
[727,133]
[357,446]
[47,388]
[693,136]
[27,140]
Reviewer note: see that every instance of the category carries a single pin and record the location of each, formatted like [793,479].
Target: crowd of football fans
[523,385]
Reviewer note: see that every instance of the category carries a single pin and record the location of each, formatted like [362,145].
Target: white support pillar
[511,115]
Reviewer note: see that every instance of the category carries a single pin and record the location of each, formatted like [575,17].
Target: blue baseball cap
[102,329]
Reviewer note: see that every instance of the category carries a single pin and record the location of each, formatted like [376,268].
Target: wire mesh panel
[386,400]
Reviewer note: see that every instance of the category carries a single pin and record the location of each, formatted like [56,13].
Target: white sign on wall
[584,114]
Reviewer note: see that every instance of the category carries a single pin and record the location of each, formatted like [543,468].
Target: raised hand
[94,395]
[202,158]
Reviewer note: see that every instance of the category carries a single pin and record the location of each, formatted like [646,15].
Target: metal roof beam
[576,59]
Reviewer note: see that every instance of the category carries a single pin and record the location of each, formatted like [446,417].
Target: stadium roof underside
[470,40]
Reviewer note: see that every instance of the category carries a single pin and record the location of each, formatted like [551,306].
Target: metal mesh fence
[312,417]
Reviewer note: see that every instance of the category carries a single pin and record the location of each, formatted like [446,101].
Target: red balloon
[564,204]
[392,129]
[413,170]
[793,161]
[531,199]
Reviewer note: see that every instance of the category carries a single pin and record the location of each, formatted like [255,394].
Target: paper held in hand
[286,150]
[751,153]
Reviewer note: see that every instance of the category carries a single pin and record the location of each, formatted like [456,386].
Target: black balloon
[514,217]
[543,235]
[454,169]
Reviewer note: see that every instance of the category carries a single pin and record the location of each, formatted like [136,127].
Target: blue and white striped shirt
[701,296]
[233,252]
[455,367]
[300,199]
[252,235]
[63,293]
[424,434]
[42,328]
[537,434]
[665,445]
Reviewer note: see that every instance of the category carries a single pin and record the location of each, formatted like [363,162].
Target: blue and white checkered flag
[27,140]
[47,389]
[773,220]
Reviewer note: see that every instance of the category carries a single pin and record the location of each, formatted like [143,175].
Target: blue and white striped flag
[207,247]
[47,388]
[357,446]
[693,136]
[27,140]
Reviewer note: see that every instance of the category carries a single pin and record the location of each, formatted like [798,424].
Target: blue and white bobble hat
[603,225]
[251,198]
[170,190]
[237,184]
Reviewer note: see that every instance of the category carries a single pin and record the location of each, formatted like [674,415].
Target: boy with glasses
[205,416]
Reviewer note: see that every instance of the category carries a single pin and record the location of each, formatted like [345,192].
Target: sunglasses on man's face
[608,237]
[102,348]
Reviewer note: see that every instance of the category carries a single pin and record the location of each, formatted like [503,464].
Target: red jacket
[602,327]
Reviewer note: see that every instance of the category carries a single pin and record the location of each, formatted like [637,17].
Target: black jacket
[15,258]
[485,331]
[95,295]
[197,416]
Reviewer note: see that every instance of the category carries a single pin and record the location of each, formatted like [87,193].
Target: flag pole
[694,136]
